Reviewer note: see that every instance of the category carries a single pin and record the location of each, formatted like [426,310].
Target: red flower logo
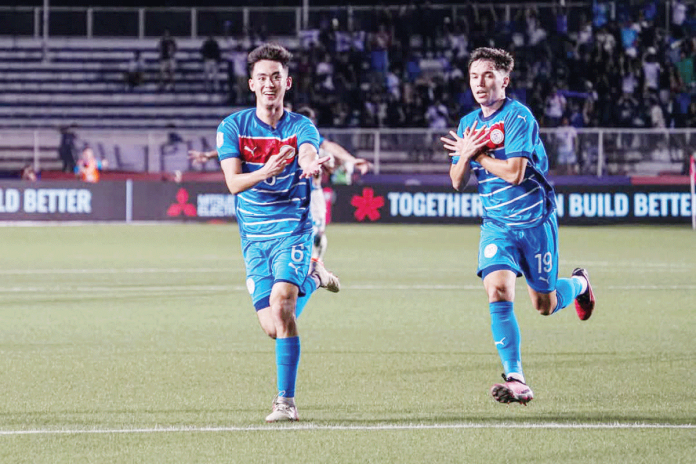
[182,206]
[367,205]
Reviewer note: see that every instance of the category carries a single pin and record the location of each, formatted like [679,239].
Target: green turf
[108,328]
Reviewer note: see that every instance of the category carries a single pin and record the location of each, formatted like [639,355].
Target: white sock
[583,282]
[517,376]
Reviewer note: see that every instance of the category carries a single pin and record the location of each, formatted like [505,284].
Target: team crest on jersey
[497,136]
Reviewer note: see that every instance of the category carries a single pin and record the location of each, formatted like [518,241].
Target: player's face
[269,81]
[487,83]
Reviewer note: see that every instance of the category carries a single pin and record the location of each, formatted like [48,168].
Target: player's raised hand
[363,165]
[314,168]
[200,157]
[468,146]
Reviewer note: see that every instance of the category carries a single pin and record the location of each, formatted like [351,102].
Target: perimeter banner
[380,204]
[188,201]
[62,201]
[589,205]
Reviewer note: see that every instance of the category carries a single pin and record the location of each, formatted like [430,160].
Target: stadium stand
[398,67]
[83,83]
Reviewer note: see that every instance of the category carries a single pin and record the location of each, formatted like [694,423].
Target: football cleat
[512,391]
[327,279]
[585,302]
[284,410]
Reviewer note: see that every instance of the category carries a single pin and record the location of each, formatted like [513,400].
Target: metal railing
[599,152]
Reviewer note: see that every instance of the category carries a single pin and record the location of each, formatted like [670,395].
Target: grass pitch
[140,344]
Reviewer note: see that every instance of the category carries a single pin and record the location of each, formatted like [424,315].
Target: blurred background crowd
[408,67]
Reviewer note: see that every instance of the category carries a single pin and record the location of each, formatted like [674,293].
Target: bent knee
[544,305]
[500,293]
[269,328]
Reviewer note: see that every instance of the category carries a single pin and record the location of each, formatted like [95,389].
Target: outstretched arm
[344,157]
[202,156]
[309,160]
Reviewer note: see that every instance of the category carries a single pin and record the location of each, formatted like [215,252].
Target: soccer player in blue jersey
[499,143]
[268,156]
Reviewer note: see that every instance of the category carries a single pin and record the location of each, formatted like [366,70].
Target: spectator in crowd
[691,115]
[651,71]
[236,74]
[678,19]
[626,110]
[657,116]
[554,107]
[29,174]
[629,76]
[685,67]
[566,148]
[88,168]
[167,58]
[66,148]
[437,116]
[210,51]
[135,71]
[380,43]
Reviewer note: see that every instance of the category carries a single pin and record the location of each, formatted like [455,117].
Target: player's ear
[251,85]
[506,81]
[289,83]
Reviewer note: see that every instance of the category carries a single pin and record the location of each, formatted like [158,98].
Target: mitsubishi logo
[182,206]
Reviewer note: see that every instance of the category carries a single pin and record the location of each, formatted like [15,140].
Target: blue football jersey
[514,132]
[278,206]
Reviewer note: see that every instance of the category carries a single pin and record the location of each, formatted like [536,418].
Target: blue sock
[287,360]
[506,335]
[308,287]
[566,291]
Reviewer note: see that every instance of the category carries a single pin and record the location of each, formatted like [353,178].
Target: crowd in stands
[408,67]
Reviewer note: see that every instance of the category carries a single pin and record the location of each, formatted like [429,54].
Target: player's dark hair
[268,51]
[502,60]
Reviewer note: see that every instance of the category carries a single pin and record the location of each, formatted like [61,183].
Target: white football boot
[284,410]
[327,279]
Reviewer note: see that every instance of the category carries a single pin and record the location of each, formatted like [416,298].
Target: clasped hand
[472,144]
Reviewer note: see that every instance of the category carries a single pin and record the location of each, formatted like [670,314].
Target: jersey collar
[267,126]
[496,111]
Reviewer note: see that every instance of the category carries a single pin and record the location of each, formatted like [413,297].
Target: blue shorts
[531,252]
[282,260]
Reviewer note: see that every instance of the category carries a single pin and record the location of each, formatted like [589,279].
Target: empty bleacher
[82,82]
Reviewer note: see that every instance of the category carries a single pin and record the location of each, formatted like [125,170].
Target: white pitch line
[183,288]
[191,271]
[116,289]
[312,427]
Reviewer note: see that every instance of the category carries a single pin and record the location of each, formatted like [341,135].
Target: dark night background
[219,3]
